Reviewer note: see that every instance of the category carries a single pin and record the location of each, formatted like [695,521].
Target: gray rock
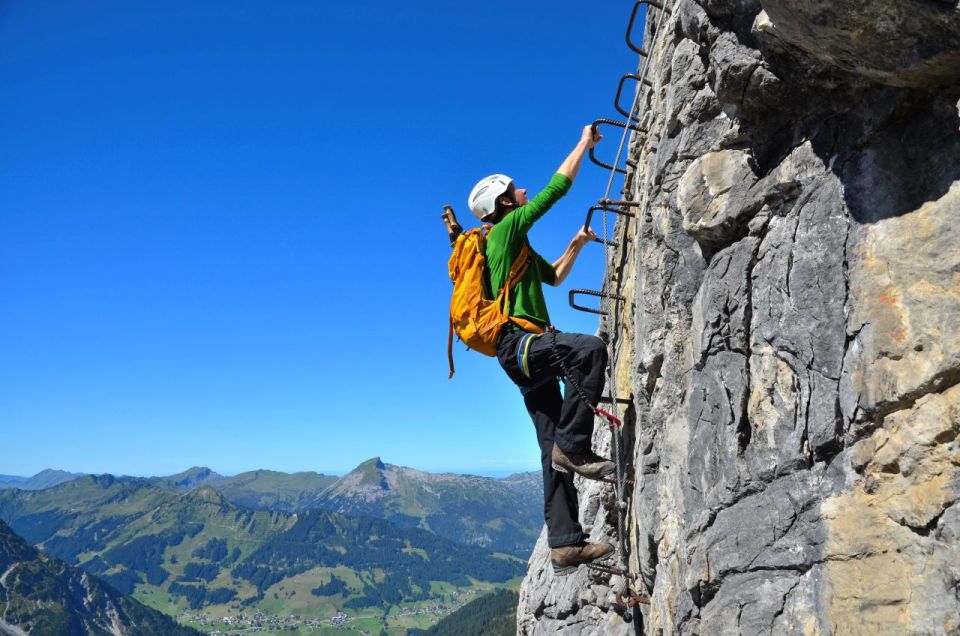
[721,309]
[733,65]
[713,196]
[789,339]
[899,43]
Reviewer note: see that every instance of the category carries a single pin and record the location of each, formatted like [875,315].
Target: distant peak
[374,462]
[371,473]
[193,477]
[104,481]
[193,470]
[206,494]
[46,472]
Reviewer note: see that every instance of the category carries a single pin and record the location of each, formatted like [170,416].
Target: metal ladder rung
[621,202]
[611,569]
[591,292]
[603,205]
[633,18]
[616,100]
[620,124]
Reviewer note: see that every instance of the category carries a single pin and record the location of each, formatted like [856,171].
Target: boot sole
[565,570]
[598,477]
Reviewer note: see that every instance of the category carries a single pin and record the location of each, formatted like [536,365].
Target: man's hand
[590,136]
[588,139]
[564,264]
[584,236]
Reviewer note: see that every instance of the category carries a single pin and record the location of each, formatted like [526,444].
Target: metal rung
[610,569]
[620,124]
[606,208]
[616,100]
[614,481]
[622,202]
[605,399]
[633,18]
[590,292]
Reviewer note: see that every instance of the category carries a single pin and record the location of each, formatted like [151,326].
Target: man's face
[520,195]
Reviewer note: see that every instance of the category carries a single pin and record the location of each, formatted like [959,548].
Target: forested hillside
[43,595]
[195,550]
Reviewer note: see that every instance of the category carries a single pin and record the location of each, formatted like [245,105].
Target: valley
[383,549]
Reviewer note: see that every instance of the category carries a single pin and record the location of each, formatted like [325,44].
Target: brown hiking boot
[565,559]
[590,465]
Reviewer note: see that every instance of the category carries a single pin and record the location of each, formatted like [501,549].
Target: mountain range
[44,479]
[498,514]
[503,515]
[380,537]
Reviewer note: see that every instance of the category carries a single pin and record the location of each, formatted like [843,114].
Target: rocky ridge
[44,595]
[788,339]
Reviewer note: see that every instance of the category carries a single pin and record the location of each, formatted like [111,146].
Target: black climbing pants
[564,419]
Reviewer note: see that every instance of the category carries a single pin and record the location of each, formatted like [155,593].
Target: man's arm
[571,165]
[564,264]
[521,220]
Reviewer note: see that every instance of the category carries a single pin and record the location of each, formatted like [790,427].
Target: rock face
[789,342]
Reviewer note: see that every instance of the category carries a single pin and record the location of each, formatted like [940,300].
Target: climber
[564,424]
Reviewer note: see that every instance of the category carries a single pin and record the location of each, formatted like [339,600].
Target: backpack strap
[517,270]
[450,349]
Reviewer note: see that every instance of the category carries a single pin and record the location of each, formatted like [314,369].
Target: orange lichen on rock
[885,563]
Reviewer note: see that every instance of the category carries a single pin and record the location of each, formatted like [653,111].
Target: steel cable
[616,433]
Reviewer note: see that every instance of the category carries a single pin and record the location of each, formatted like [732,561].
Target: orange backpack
[477,319]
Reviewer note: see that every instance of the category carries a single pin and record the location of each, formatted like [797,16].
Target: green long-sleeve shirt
[503,246]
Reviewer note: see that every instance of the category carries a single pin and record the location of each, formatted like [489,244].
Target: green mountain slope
[410,558]
[197,550]
[494,614]
[44,595]
[272,490]
[505,515]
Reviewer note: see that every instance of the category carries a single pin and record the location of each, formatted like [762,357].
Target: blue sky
[220,233]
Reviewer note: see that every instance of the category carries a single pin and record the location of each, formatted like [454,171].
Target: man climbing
[564,424]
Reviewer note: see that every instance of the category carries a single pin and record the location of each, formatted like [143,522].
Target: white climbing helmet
[483,198]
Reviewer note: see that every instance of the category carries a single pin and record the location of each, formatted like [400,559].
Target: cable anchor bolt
[633,599]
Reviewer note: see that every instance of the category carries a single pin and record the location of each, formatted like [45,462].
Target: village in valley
[260,622]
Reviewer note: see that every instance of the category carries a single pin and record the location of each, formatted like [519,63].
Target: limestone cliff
[789,341]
